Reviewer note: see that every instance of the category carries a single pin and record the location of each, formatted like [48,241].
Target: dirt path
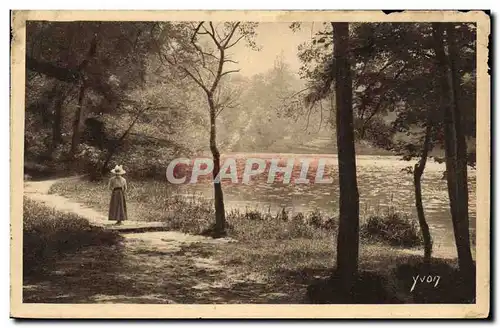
[39,191]
[147,267]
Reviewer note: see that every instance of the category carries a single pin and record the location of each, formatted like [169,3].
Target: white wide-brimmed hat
[118,170]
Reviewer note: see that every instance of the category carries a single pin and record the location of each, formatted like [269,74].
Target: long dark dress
[118,205]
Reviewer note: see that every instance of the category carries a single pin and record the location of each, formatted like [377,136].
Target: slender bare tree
[204,59]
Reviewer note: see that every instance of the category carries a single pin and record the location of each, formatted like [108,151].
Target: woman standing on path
[118,185]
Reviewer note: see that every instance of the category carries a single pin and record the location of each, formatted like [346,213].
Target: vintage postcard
[250,164]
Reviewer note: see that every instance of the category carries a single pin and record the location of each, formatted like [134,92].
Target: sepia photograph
[293,164]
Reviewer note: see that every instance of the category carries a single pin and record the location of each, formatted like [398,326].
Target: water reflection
[382,184]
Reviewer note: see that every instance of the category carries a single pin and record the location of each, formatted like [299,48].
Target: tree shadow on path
[139,272]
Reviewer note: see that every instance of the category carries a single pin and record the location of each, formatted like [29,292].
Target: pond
[382,183]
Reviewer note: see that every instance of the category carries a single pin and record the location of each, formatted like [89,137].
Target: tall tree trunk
[57,97]
[220,215]
[417,181]
[348,234]
[454,158]
[80,111]
[77,121]
[467,265]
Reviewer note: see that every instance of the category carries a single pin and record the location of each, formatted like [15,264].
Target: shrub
[315,219]
[49,234]
[396,229]
[190,215]
[282,215]
[329,224]
[298,218]
[89,159]
[254,215]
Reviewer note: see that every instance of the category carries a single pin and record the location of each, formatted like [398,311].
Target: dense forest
[132,103]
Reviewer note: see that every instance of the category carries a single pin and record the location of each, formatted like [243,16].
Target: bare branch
[199,82]
[193,42]
[309,110]
[210,71]
[197,29]
[173,62]
[229,72]
[298,92]
[321,115]
[219,110]
[199,75]
[209,54]
[230,35]
[229,103]
[216,32]
[235,42]
[230,61]
[213,35]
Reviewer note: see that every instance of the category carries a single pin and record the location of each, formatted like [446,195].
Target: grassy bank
[291,253]
[49,235]
[153,201]
[268,241]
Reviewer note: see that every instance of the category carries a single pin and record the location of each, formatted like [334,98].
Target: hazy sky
[273,38]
